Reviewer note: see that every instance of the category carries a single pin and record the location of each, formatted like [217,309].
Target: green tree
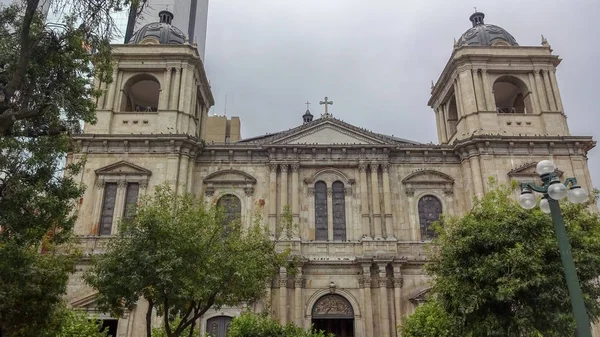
[46,91]
[71,323]
[429,320]
[497,270]
[179,256]
[253,325]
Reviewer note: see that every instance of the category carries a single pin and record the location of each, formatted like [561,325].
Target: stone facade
[357,197]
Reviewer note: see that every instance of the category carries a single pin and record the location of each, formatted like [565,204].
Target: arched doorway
[218,326]
[334,314]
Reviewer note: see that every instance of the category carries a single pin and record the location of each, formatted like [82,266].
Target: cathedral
[363,202]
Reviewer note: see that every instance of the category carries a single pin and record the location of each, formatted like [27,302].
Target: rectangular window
[131,199]
[108,208]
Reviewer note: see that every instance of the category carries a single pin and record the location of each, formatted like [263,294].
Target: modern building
[190,16]
[220,129]
[363,202]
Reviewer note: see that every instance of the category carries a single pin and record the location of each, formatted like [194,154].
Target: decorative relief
[409,192]
[348,190]
[332,306]
[273,167]
[209,191]
[398,282]
[310,191]
[284,168]
[143,184]
[100,183]
[329,191]
[383,281]
[249,191]
[295,167]
[283,282]
[121,183]
[373,167]
[385,167]
[362,167]
[366,281]
[300,282]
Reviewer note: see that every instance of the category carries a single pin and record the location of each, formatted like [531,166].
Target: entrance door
[218,326]
[334,314]
[340,327]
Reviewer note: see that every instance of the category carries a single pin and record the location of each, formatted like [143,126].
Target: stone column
[273,199]
[376,202]
[412,217]
[383,301]
[387,202]
[116,104]
[109,103]
[165,91]
[443,116]
[459,101]
[298,305]
[329,214]
[479,101]
[449,193]
[295,197]
[364,201]
[549,91]
[183,174]
[174,90]
[438,123]
[283,295]
[476,175]
[398,282]
[535,100]
[541,92]
[283,197]
[554,83]
[487,92]
[367,302]
[182,87]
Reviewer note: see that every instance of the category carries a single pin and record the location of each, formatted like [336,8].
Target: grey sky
[375,59]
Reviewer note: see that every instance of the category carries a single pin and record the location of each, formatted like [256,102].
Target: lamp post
[554,190]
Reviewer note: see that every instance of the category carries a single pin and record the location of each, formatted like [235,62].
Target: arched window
[218,326]
[339,211]
[140,94]
[430,209]
[320,211]
[511,96]
[232,208]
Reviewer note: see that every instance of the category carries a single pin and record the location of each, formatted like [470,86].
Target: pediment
[528,170]
[420,296]
[428,176]
[229,177]
[123,168]
[328,133]
[86,302]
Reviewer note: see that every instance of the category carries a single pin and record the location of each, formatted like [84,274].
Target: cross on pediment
[326,102]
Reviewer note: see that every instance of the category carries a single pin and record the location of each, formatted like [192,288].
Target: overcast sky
[375,59]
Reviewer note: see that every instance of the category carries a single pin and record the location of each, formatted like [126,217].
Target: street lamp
[554,190]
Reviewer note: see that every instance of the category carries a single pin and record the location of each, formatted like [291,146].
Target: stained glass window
[131,198]
[321,211]
[232,208]
[339,211]
[108,208]
[430,209]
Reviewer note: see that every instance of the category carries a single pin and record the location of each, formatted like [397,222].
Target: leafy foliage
[46,76]
[177,255]
[252,325]
[429,320]
[498,272]
[77,324]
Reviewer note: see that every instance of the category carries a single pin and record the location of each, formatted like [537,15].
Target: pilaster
[295,197]
[487,92]
[364,201]
[556,91]
[383,300]
[387,202]
[539,85]
[298,304]
[273,199]
[283,295]
[283,197]
[398,282]
[329,213]
[549,91]
[375,200]
[367,302]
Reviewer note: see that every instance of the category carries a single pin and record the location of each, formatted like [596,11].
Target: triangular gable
[420,296]
[528,170]
[86,302]
[229,177]
[428,179]
[123,168]
[327,130]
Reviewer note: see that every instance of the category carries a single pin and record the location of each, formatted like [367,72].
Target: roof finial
[455,44]
[432,85]
[326,102]
[545,41]
[477,18]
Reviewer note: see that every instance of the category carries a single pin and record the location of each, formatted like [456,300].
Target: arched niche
[428,179]
[329,176]
[141,93]
[232,179]
[511,95]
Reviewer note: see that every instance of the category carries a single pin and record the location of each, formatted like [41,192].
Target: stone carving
[332,306]
[348,190]
[121,183]
[329,191]
[310,191]
[209,191]
[249,191]
[409,192]
[299,282]
[362,167]
[383,281]
[273,167]
[366,281]
[283,282]
[295,167]
[284,167]
[100,183]
[143,184]
[398,282]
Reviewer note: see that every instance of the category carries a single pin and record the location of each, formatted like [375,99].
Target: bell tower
[159,85]
[491,85]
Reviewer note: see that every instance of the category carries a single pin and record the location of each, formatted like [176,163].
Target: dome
[482,34]
[159,32]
